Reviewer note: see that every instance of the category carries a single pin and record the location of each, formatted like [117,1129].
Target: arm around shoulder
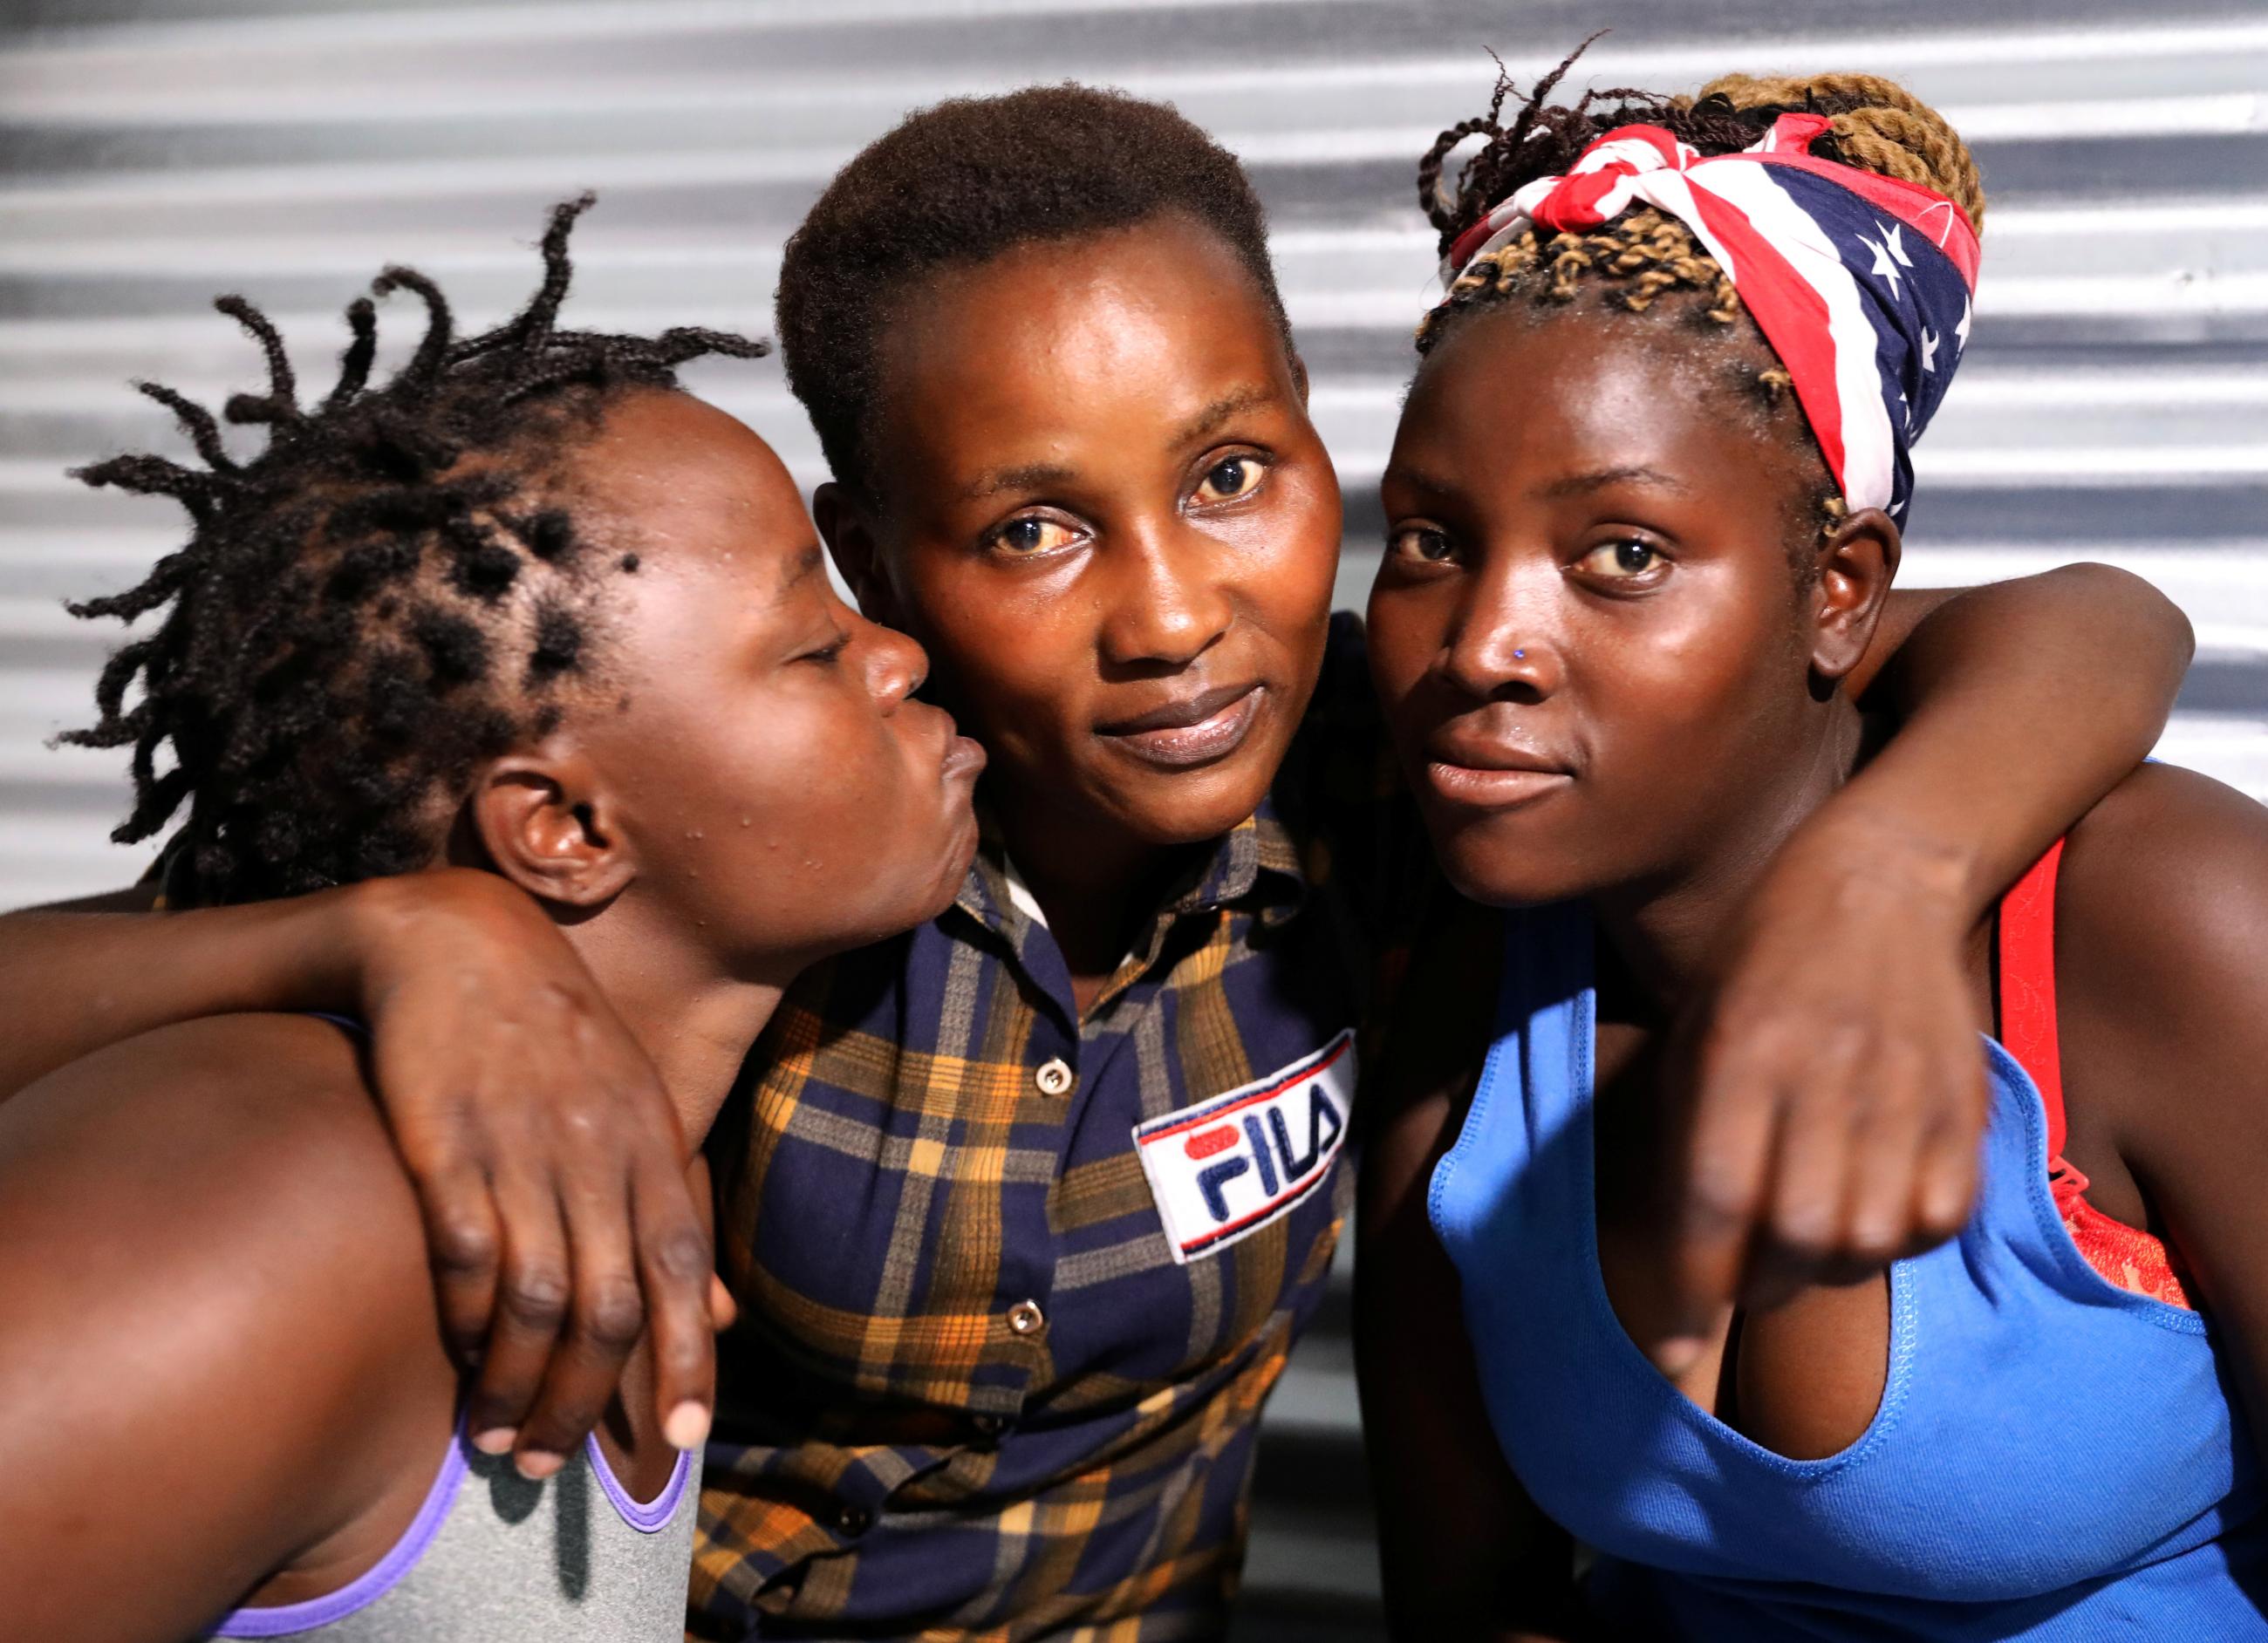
[219,1317]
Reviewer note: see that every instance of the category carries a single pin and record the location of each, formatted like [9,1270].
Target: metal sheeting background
[153,152]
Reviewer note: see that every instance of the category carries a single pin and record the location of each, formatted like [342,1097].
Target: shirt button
[990,1425]
[853,1520]
[1055,1077]
[1026,1318]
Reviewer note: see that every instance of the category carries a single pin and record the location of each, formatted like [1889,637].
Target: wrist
[1854,856]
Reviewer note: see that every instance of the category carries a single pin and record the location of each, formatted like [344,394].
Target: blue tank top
[2053,1458]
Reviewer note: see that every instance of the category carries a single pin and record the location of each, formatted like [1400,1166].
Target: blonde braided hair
[1875,124]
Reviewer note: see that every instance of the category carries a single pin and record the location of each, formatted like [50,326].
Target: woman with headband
[1609,630]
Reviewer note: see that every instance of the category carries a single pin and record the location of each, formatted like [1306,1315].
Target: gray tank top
[493,1557]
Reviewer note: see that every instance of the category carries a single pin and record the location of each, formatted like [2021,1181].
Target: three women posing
[994,1377]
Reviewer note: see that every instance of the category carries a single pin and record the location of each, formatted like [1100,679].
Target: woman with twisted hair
[526,614]
[1644,507]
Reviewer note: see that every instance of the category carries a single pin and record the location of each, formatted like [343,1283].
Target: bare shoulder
[219,1135]
[217,1294]
[2161,919]
[2164,890]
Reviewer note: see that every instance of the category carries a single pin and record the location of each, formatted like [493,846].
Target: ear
[549,826]
[1856,565]
[1299,375]
[849,533]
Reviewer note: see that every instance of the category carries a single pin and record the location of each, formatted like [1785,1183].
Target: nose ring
[1519,656]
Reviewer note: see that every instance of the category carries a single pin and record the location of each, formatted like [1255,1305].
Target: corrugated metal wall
[153,152]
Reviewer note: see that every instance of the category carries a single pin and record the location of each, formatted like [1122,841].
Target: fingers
[1732,1131]
[724,1311]
[1948,1153]
[604,1317]
[678,1272]
[464,1241]
[533,1297]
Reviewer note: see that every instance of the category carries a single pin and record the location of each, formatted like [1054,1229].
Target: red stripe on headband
[1791,313]
[1928,212]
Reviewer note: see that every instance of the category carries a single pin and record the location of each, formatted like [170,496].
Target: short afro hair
[959,184]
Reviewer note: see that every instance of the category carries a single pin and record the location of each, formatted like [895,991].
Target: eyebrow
[798,571]
[1576,483]
[1418,479]
[1220,410]
[1031,476]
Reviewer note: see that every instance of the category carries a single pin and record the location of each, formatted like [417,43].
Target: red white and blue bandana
[1862,283]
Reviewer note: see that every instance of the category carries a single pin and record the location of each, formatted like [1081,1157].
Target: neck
[1669,929]
[1096,884]
[694,1021]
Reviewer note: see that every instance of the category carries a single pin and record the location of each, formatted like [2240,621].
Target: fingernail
[1678,1354]
[688,1426]
[495,1440]
[537,1464]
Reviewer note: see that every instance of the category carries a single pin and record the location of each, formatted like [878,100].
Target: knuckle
[463,1243]
[537,1297]
[684,1255]
[1804,1236]
[614,1316]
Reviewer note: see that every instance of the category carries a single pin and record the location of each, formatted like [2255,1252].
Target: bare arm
[547,1157]
[2162,915]
[85,974]
[1466,1557]
[179,1217]
[1835,1095]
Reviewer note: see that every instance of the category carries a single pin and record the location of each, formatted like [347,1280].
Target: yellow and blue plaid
[972,1396]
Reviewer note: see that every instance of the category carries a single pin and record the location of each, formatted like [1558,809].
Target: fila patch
[1232,1163]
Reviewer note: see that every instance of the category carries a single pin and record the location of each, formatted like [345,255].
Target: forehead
[1518,384]
[666,471]
[1118,333]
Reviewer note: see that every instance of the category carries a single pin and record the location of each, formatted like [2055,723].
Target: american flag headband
[1862,283]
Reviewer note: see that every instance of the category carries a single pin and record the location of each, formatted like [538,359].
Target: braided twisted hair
[1634,261]
[393,591]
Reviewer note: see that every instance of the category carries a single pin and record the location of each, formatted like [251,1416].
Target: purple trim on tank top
[654,1515]
[366,1589]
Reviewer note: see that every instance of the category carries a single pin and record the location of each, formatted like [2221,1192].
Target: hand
[1836,1091]
[547,1158]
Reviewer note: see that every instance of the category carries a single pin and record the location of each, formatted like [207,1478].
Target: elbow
[2136,608]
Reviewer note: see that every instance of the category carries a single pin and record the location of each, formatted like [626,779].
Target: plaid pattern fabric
[973,1395]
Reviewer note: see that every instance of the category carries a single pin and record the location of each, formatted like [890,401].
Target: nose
[1168,601]
[1502,645]
[896,664]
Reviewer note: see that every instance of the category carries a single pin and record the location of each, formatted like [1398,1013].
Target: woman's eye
[1230,478]
[830,653]
[1620,561]
[1032,535]
[1424,543]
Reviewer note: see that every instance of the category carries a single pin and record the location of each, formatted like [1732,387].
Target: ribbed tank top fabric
[2054,1458]
[493,1557]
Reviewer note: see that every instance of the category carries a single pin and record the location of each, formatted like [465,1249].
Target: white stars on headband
[1961,331]
[1889,256]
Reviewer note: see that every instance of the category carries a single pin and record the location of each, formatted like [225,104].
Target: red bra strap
[2028,988]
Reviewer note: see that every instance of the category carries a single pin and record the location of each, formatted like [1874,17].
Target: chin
[1485,865]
